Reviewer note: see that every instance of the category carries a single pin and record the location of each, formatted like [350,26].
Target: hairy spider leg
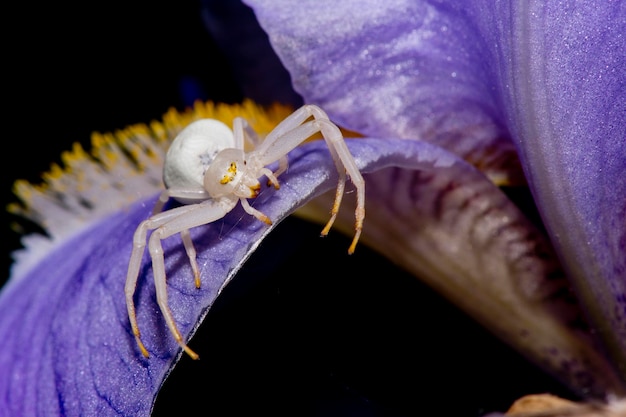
[345,163]
[190,249]
[244,132]
[254,212]
[291,131]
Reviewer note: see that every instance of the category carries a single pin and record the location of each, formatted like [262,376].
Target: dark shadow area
[305,329]
[71,70]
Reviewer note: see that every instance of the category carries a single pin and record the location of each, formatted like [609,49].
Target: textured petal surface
[567,106]
[396,69]
[464,238]
[67,346]
[545,74]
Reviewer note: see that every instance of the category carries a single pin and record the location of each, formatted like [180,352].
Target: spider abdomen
[193,151]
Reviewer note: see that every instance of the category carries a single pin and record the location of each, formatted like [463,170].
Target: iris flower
[452,101]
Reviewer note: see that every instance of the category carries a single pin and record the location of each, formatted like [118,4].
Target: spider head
[228,174]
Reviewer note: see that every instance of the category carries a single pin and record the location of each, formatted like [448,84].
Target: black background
[74,70]
[304,329]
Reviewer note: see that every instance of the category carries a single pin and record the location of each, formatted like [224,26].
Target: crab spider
[207,170]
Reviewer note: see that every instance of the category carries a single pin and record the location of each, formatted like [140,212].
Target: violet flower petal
[566,104]
[68,348]
[549,75]
[67,345]
[463,237]
[399,68]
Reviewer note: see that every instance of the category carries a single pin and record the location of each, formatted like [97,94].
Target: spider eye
[224,175]
[230,175]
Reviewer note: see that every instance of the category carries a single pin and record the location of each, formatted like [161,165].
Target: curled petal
[548,75]
[463,236]
[567,105]
[67,317]
[68,348]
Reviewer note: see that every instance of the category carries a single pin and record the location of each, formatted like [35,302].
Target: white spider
[207,169]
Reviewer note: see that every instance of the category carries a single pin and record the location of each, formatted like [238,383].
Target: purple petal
[67,346]
[395,69]
[463,237]
[567,108]
[548,75]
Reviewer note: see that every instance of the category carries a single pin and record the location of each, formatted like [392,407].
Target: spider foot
[276,185]
[333,213]
[179,339]
[142,348]
[359,214]
[352,247]
[329,225]
[193,355]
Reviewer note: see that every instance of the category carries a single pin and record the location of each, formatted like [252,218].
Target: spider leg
[341,185]
[292,121]
[294,130]
[139,244]
[160,203]
[271,177]
[191,254]
[131,283]
[243,133]
[283,165]
[203,213]
[189,196]
[158,269]
[254,212]
[165,224]
[344,161]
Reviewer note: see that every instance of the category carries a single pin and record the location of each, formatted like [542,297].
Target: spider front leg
[243,133]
